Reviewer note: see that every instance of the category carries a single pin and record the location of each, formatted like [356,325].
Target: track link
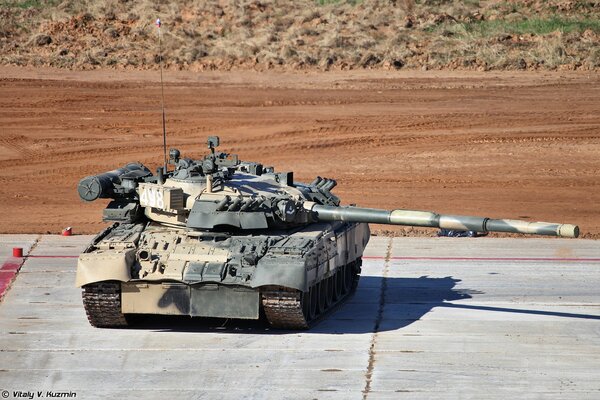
[102,303]
[284,309]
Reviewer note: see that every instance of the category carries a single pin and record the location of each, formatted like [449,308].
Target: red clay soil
[502,145]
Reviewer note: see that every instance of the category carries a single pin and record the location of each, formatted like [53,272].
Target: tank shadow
[357,315]
[382,304]
[379,304]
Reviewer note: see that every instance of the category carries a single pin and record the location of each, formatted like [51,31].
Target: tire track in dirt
[20,145]
[388,143]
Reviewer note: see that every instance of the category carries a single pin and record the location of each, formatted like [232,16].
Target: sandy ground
[502,145]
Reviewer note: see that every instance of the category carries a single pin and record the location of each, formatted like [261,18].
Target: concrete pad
[7,242]
[432,318]
[10,265]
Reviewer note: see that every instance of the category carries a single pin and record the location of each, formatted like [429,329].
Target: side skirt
[293,309]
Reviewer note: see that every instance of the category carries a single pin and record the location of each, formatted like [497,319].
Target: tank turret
[220,237]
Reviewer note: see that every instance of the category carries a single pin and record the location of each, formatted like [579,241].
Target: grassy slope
[303,34]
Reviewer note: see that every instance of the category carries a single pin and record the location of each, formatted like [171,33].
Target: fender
[291,273]
[105,265]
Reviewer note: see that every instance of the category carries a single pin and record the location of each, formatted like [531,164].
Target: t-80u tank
[219,237]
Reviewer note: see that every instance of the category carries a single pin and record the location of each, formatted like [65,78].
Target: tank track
[102,303]
[286,309]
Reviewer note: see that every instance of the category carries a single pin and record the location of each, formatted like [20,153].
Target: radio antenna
[162,92]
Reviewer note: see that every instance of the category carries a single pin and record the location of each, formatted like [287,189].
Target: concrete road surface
[438,318]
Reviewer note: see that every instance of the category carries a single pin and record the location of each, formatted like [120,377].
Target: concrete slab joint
[432,318]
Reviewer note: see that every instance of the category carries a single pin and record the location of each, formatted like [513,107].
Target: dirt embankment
[303,34]
[506,145]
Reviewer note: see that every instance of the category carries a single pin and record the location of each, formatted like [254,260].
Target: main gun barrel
[433,220]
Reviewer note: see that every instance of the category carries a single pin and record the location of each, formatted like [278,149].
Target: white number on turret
[151,197]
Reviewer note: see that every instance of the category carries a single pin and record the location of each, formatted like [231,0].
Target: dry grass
[304,34]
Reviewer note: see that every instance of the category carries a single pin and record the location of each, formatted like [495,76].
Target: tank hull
[221,237]
[158,270]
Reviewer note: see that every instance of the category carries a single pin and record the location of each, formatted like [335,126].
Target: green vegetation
[303,34]
[536,26]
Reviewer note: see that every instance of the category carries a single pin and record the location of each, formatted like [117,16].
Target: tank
[219,237]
